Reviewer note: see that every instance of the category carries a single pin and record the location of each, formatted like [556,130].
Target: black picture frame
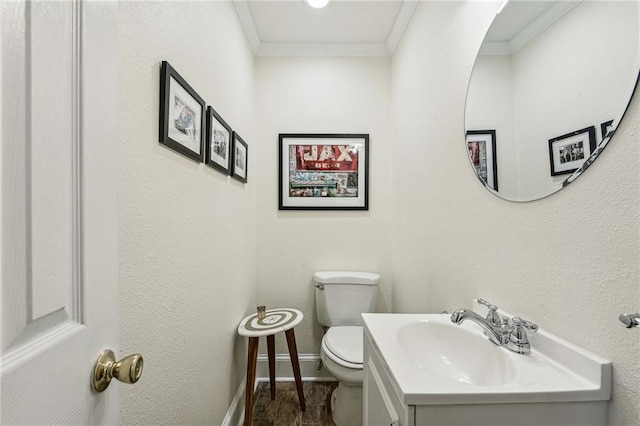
[481,147]
[606,129]
[323,171]
[219,143]
[182,114]
[240,158]
[568,152]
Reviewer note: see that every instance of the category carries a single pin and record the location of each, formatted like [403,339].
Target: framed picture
[240,158]
[323,172]
[568,152]
[482,154]
[606,129]
[182,118]
[218,142]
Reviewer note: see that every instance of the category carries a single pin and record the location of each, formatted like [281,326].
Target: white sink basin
[455,353]
[433,361]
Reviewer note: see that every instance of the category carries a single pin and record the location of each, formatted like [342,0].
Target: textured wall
[569,262]
[194,243]
[321,95]
[186,232]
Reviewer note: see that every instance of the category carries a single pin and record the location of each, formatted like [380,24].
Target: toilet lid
[345,343]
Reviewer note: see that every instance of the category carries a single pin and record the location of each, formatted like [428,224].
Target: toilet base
[346,405]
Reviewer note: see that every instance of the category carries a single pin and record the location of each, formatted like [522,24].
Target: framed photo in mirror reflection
[569,151]
[606,129]
[481,145]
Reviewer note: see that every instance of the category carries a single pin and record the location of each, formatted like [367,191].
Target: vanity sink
[434,361]
[454,353]
[425,370]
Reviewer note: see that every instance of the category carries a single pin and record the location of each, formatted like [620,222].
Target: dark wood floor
[285,409]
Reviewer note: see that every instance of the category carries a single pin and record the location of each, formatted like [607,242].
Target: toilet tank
[341,296]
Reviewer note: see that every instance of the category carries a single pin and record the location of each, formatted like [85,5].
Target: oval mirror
[550,85]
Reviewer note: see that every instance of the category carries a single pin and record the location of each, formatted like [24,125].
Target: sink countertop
[556,370]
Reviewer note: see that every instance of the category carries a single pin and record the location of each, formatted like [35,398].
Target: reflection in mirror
[551,82]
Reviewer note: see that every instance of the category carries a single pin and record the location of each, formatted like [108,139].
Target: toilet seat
[343,345]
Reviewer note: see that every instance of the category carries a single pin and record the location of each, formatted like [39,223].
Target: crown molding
[531,31]
[322,49]
[387,48]
[496,48]
[246,19]
[404,16]
[541,23]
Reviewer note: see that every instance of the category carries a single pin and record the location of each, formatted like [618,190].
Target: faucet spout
[495,334]
[512,334]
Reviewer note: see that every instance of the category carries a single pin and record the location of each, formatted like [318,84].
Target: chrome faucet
[495,333]
[512,334]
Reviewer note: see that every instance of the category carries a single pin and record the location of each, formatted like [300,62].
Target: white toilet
[340,299]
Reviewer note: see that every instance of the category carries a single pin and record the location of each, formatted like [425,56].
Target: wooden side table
[275,321]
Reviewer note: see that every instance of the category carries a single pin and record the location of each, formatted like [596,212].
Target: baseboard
[235,413]
[308,371]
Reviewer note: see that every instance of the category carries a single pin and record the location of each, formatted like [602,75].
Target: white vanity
[421,369]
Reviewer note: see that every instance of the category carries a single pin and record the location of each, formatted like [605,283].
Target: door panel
[52,82]
[59,234]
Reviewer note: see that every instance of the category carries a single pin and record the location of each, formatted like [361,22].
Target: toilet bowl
[341,354]
[341,298]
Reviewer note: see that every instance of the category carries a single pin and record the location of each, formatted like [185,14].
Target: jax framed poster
[323,171]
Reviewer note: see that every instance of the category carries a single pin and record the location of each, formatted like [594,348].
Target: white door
[59,238]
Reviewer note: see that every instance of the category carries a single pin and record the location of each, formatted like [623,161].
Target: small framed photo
[568,152]
[323,172]
[240,158]
[606,129]
[218,142]
[482,154]
[182,115]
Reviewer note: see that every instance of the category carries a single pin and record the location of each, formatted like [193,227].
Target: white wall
[320,95]
[568,262]
[193,244]
[186,232]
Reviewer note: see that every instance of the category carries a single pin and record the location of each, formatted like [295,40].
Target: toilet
[340,299]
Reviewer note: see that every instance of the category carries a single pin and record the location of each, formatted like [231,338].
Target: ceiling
[375,27]
[343,28]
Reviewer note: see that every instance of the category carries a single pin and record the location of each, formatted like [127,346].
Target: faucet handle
[491,307]
[520,329]
[529,326]
[518,336]
[492,316]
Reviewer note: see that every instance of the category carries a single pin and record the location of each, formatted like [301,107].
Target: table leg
[293,354]
[252,358]
[271,350]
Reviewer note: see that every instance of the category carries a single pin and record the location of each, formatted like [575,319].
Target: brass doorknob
[127,370]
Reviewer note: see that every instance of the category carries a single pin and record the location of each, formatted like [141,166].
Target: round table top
[275,321]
